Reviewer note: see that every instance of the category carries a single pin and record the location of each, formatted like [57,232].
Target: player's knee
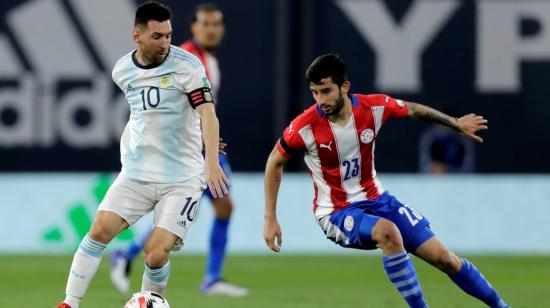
[101,232]
[448,262]
[223,208]
[106,226]
[386,235]
[156,257]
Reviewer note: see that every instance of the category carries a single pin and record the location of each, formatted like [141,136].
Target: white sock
[155,279]
[85,264]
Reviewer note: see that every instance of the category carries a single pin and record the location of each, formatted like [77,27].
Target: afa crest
[165,81]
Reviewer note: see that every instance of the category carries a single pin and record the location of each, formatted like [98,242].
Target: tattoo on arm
[426,113]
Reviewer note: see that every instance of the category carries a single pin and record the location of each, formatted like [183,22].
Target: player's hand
[470,124]
[221,147]
[272,234]
[216,179]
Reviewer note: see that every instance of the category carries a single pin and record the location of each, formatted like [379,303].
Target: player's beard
[159,58]
[338,105]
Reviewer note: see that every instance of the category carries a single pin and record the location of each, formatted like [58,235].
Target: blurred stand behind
[443,150]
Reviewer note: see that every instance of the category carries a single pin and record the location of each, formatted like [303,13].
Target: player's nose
[165,42]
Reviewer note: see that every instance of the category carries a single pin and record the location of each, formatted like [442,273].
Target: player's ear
[346,86]
[193,28]
[136,36]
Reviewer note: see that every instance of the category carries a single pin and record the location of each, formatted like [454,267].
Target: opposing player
[338,137]
[207,30]
[163,169]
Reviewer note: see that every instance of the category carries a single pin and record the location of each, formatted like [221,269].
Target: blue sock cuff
[395,256]
[396,259]
[158,274]
[91,247]
[464,271]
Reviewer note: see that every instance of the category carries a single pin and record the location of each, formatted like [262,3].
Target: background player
[163,168]
[443,150]
[337,135]
[206,28]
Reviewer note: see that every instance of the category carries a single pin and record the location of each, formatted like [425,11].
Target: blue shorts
[351,226]
[224,163]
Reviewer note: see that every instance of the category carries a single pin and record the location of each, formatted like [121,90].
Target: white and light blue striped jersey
[162,139]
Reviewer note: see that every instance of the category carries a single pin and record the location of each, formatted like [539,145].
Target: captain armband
[286,147]
[200,96]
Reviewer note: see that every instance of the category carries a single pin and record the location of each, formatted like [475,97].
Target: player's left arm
[215,177]
[469,124]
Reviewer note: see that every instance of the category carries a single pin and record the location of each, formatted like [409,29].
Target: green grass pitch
[279,281]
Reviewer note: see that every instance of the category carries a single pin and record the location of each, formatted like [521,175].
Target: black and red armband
[200,96]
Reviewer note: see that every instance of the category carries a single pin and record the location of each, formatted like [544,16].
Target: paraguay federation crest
[348,223]
[367,135]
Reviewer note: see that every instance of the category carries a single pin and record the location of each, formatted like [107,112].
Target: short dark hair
[152,10]
[205,7]
[329,65]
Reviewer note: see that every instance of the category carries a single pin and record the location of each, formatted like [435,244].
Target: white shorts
[175,205]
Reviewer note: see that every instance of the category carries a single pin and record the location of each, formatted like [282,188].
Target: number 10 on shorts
[189,209]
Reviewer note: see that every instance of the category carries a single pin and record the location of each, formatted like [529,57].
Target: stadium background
[61,117]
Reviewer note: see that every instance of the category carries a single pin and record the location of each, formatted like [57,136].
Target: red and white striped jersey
[210,63]
[341,159]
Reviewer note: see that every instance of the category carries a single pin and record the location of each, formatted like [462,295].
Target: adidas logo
[70,73]
[129,88]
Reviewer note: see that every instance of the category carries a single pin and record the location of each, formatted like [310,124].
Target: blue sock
[216,255]
[155,278]
[471,281]
[92,248]
[136,246]
[400,271]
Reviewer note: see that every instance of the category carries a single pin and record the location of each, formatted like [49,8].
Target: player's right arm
[286,147]
[272,181]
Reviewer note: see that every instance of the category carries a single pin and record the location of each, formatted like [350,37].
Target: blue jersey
[162,140]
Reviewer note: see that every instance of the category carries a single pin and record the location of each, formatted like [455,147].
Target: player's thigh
[414,228]
[129,199]
[351,228]
[178,206]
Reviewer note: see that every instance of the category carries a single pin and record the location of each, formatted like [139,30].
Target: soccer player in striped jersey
[207,30]
[163,168]
[338,135]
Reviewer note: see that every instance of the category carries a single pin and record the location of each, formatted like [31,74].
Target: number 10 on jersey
[151,96]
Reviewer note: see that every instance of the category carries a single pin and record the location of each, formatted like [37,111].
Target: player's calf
[157,269]
[471,281]
[155,279]
[448,262]
[158,246]
[83,268]
[157,266]
[397,264]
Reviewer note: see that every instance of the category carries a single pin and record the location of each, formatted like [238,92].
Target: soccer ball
[147,299]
